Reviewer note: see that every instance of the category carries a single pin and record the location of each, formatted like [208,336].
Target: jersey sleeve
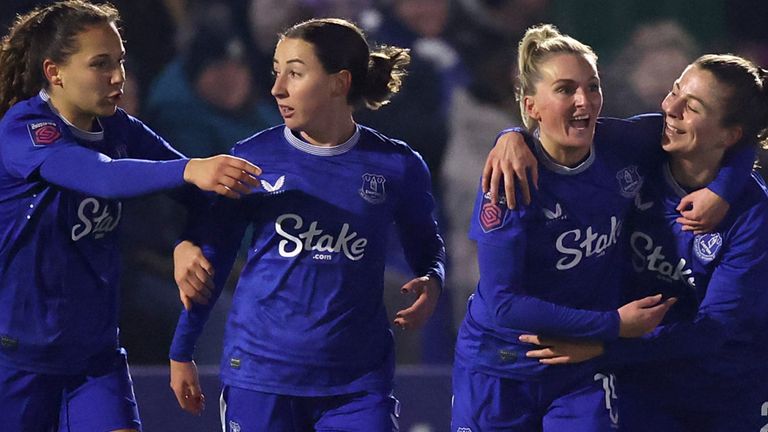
[734,173]
[218,230]
[422,244]
[144,143]
[735,294]
[502,239]
[38,146]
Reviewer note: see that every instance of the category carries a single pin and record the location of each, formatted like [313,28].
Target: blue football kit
[554,269]
[708,358]
[307,317]
[59,262]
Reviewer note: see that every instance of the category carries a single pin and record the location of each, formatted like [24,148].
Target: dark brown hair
[747,104]
[341,45]
[44,33]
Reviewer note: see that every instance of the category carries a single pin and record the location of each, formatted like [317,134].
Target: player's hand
[226,175]
[193,274]
[642,316]
[185,383]
[427,291]
[559,351]
[510,159]
[701,211]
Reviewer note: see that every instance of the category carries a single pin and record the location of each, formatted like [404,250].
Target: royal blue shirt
[551,268]
[59,222]
[716,336]
[554,268]
[307,316]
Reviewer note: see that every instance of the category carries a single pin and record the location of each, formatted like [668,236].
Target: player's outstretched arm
[185,383]
[427,291]
[226,175]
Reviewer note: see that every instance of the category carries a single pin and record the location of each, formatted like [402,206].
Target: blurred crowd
[199,73]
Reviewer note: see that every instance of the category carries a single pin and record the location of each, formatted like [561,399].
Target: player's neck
[330,134]
[696,170]
[71,114]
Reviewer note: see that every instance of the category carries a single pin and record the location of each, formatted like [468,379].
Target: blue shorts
[100,400]
[250,410]
[489,403]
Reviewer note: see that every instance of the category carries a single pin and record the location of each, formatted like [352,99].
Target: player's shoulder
[121,119]
[627,128]
[371,139]
[28,110]
[31,118]
[259,140]
[754,197]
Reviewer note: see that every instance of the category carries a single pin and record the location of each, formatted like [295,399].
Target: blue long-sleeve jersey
[554,268]
[307,316]
[716,335]
[59,222]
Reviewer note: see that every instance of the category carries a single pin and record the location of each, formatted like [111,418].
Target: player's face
[303,89]
[91,82]
[693,114]
[567,102]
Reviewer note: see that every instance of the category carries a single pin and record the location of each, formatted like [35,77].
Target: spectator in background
[420,112]
[475,121]
[419,116]
[205,100]
[131,100]
[267,19]
[349,9]
[486,34]
[749,36]
[639,77]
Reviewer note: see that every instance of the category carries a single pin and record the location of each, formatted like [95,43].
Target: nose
[118,75]
[671,105]
[278,87]
[580,97]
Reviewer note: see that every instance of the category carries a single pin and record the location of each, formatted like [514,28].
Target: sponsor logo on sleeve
[492,216]
[44,133]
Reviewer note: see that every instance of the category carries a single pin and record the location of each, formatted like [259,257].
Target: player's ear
[530,108]
[342,82]
[52,72]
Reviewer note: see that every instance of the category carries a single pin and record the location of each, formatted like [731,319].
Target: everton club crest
[630,181]
[372,189]
[706,246]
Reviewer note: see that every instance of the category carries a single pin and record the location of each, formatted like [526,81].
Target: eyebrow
[107,54]
[571,81]
[274,60]
[690,96]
